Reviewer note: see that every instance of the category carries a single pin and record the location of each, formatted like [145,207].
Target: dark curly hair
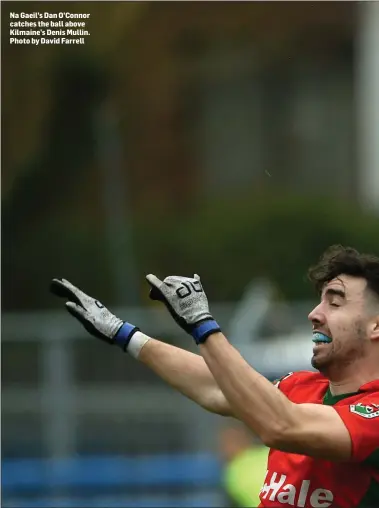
[338,260]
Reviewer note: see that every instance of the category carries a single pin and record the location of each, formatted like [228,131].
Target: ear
[374,328]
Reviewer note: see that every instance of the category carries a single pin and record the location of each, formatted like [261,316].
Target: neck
[351,378]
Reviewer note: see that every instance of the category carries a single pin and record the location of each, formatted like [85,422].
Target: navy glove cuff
[125,333]
[203,330]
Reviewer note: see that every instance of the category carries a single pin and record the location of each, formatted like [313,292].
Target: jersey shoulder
[367,395]
[370,389]
[299,380]
[360,414]
[365,403]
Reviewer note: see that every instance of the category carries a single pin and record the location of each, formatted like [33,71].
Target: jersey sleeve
[362,422]
[292,379]
[286,383]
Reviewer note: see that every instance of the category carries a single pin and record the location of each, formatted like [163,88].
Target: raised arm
[183,370]
[307,429]
[187,373]
[280,423]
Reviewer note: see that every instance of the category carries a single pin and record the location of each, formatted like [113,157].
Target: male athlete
[322,427]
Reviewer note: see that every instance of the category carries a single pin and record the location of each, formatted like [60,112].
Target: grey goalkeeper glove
[95,318]
[186,301]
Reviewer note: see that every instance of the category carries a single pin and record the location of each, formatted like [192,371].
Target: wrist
[124,335]
[136,343]
[204,329]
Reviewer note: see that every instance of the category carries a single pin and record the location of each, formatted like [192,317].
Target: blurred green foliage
[53,208]
[45,233]
[229,241]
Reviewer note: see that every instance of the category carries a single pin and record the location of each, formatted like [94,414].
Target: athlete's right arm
[184,371]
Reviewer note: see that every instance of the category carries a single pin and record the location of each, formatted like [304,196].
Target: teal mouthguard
[321,337]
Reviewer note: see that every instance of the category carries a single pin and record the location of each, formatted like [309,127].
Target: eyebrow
[335,292]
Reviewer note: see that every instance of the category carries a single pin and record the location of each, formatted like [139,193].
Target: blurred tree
[51,215]
[234,239]
[55,176]
[27,91]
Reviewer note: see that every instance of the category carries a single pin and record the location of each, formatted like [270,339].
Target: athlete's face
[345,316]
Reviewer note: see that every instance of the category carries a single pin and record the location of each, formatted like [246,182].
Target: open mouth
[321,338]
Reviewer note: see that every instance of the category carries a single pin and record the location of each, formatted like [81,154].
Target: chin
[320,364]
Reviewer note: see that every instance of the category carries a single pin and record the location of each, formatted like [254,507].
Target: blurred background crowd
[234,140]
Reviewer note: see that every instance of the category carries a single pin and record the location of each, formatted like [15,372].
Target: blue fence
[164,480]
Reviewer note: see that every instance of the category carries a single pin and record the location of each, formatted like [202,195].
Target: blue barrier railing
[100,472]
[179,481]
[195,501]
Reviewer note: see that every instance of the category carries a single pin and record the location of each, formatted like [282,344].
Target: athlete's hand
[95,318]
[185,299]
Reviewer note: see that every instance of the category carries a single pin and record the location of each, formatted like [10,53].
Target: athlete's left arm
[307,429]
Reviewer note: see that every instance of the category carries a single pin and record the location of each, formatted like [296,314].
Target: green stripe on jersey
[373,460]
[330,400]
[371,498]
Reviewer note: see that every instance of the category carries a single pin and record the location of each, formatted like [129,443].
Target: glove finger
[83,317]
[153,280]
[155,292]
[58,288]
[77,311]
[64,289]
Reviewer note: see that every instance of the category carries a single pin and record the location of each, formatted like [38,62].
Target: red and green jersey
[306,482]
